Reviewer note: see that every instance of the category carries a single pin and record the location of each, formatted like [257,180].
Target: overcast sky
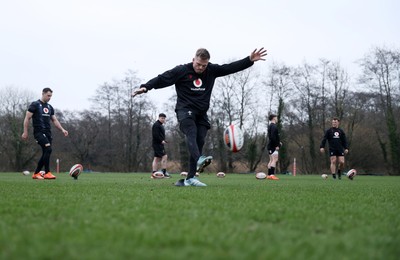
[76,45]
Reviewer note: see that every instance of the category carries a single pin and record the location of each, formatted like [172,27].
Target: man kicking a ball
[194,82]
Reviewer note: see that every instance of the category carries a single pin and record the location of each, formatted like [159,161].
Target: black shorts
[199,118]
[336,152]
[159,150]
[43,138]
[271,150]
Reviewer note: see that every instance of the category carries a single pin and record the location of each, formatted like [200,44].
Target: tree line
[115,134]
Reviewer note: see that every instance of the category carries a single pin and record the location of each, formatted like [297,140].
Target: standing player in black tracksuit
[337,146]
[42,113]
[194,82]
[273,146]
[160,156]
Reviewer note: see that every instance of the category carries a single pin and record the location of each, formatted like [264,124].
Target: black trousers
[44,140]
[195,127]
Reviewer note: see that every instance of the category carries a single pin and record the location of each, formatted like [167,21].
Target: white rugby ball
[220,174]
[76,170]
[233,138]
[324,176]
[261,176]
[157,175]
[26,173]
[351,173]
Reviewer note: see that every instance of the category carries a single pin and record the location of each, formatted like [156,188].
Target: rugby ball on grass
[220,174]
[350,174]
[184,174]
[26,173]
[233,138]
[261,176]
[76,170]
[324,176]
[157,175]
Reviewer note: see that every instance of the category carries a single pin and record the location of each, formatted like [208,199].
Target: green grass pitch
[130,216]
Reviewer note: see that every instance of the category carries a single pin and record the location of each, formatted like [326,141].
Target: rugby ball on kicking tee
[261,176]
[351,173]
[220,174]
[76,170]
[157,175]
[233,138]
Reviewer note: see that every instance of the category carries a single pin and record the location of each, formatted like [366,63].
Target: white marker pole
[58,165]
[294,167]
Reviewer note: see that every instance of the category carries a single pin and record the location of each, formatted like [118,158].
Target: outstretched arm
[257,55]
[139,91]
[166,79]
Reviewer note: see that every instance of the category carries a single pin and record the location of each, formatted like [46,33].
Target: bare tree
[104,101]
[15,153]
[361,107]
[306,84]
[133,137]
[234,102]
[339,80]
[381,73]
[83,132]
[281,86]
[128,139]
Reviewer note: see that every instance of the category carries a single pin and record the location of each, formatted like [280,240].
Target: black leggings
[44,140]
[45,159]
[195,138]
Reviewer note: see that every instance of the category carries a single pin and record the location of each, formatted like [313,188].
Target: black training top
[41,118]
[336,139]
[273,136]
[194,90]
[158,131]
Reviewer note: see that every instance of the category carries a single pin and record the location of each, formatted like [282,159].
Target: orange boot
[272,177]
[37,176]
[49,176]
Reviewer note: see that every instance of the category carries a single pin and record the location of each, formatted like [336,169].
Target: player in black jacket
[194,82]
[42,113]
[273,146]
[160,156]
[338,147]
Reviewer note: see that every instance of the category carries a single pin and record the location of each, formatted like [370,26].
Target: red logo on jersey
[46,110]
[197,83]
